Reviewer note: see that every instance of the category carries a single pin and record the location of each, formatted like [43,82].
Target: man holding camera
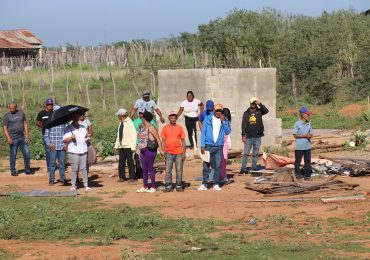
[252,131]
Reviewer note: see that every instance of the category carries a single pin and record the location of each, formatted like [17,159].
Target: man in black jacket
[252,131]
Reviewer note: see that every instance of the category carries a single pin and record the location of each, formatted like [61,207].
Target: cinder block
[231,87]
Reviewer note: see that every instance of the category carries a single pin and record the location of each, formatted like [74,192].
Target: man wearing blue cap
[302,133]
[41,120]
[210,107]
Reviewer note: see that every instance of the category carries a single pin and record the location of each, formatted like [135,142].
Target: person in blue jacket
[210,107]
[212,140]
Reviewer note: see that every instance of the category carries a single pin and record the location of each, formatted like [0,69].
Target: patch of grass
[342,222]
[84,218]
[129,253]
[57,219]
[118,194]
[278,220]
[7,255]
[227,247]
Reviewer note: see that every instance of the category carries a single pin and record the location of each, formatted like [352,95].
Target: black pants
[191,125]
[307,162]
[125,154]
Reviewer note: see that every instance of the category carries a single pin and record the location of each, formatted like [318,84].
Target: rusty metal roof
[19,39]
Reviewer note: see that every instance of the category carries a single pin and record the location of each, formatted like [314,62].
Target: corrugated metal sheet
[19,39]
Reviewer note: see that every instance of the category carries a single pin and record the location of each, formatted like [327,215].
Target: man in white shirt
[212,140]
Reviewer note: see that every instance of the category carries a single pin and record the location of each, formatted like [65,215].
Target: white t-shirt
[80,146]
[86,123]
[216,127]
[191,108]
[142,105]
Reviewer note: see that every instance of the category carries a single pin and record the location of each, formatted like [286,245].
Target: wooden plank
[343,198]
[271,200]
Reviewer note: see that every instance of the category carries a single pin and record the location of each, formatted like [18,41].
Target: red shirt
[173,134]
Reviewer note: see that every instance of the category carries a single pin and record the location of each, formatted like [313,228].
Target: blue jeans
[170,159]
[61,155]
[21,143]
[255,143]
[216,155]
[47,154]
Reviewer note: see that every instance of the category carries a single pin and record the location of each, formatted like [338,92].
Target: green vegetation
[87,219]
[331,119]
[6,255]
[326,55]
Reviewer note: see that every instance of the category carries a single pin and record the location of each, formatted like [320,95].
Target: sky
[93,22]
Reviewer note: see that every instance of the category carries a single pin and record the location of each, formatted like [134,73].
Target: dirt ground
[223,205]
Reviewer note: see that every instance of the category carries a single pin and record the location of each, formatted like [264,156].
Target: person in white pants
[76,136]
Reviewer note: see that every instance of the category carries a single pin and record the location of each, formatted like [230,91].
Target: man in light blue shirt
[302,133]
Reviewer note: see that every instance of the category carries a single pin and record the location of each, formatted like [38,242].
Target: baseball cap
[304,110]
[209,105]
[49,101]
[219,107]
[146,93]
[253,99]
[121,112]
[172,113]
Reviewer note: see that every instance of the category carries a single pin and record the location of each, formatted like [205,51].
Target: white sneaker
[152,190]
[142,189]
[216,187]
[88,189]
[73,188]
[203,187]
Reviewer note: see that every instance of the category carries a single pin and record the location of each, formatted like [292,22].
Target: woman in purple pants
[147,156]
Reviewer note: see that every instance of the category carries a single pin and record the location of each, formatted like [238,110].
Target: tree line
[321,55]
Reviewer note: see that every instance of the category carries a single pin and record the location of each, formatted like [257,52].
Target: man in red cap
[302,133]
[173,139]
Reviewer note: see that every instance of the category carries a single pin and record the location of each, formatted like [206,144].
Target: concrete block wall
[231,87]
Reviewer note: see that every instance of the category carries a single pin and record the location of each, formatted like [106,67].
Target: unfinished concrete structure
[231,87]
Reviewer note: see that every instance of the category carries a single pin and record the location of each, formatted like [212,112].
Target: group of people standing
[214,123]
[138,141]
[72,138]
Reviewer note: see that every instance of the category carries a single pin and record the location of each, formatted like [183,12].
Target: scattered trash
[199,249]
[343,198]
[284,183]
[273,161]
[253,221]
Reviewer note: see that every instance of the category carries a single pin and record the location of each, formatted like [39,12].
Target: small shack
[231,87]
[18,43]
